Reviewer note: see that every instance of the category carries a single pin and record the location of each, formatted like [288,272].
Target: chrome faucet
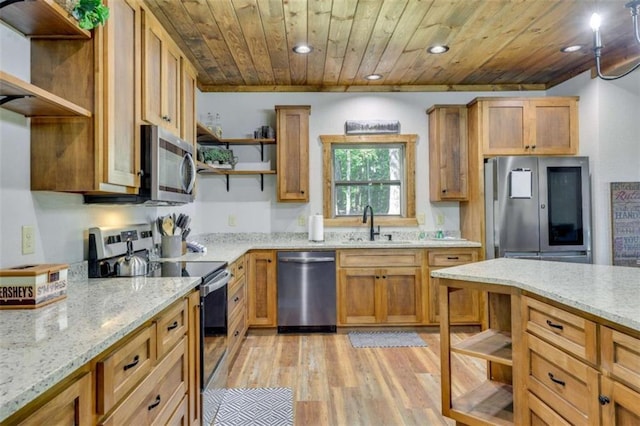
[372,233]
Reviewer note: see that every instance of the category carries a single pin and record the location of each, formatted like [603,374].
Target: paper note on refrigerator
[520,184]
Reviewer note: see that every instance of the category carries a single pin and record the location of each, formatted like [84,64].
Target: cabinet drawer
[566,384]
[568,331]
[451,258]
[238,268]
[235,336]
[125,367]
[171,326]
[179,417]
[621,356]
[540,414]
[236,298]
[159,395]
[379,258]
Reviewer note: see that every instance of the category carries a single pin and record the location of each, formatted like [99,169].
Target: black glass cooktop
[205,270]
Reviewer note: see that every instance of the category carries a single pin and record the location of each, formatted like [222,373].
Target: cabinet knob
[604,400]
[236,299]
[140,172]
[268,260]
[444,191]
[526,147]
[302,192]
[533,147]
[236,334]
[377,277]
[384,277]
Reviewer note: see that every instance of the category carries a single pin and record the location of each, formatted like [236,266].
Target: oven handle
[219,282]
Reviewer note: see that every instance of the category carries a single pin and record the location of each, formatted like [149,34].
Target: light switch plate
[420,218]
[232,220]
[28,240]
[302,221]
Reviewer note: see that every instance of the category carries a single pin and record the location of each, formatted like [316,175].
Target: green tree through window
[368,175]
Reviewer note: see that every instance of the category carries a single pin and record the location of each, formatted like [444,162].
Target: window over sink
[375,170]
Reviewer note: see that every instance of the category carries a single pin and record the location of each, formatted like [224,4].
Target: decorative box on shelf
[32,286]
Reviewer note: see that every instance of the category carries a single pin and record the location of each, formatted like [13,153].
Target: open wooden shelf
[492,345]
[32,101]
[42,19]
[205,168]
[207,137]
[490,402]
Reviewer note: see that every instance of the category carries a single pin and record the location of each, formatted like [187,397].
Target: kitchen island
[562,343]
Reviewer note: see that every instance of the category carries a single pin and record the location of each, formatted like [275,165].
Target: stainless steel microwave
[168,172]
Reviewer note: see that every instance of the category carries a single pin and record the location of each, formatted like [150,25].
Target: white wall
[609,135]
[257,211]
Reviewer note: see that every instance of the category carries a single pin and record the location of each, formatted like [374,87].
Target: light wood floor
[336,384]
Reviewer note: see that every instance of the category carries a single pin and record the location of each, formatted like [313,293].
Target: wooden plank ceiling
[246,45]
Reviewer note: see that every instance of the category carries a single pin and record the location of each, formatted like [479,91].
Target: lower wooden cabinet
[236,310]
[262,289]
[464,304]
[620,404]
[380,294]
[71,404]
[137,381]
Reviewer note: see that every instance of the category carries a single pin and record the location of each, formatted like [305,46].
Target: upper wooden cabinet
[188,103]
[527,126]
[100,153]
[292,132]
[162,80]
[448,154]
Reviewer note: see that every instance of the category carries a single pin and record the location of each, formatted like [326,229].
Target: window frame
[409,194]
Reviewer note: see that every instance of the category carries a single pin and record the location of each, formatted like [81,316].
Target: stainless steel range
[107,248]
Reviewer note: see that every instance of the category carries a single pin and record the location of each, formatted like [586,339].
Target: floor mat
[256,406]
[385,339]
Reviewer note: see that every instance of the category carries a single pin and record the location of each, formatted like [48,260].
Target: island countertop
[609,292]
[40,347]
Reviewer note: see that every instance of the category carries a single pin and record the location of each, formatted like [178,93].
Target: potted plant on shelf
[89,13]
[219,158]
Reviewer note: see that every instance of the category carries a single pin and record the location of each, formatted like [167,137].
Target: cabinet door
[619,404]
[120,44]
[448,154]
[292,133]
[464,304]
[152,56]
[194,359]
[188,103]
[171,88]
[401,295]
[504,129]
[261,292]
[359,299]
[554,126]
[72,405]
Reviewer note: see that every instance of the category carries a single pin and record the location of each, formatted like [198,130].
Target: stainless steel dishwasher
[306,291]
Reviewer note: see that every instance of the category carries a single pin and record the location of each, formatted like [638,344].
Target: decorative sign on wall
[368,127]
[625,223]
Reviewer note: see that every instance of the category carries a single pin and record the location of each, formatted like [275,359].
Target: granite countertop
[608,292]
[42,346]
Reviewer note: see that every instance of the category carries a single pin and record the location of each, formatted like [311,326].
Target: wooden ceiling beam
[382,88]
[342,17]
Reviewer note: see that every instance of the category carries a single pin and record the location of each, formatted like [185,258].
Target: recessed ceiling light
[373,77]
[438,48]
[570,49]
[303,49]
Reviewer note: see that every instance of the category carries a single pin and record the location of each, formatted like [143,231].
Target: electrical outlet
[439,219]
[302,221]
[420,218]
[232,220]
[28,240]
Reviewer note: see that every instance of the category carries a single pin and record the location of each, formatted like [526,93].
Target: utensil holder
[171,246]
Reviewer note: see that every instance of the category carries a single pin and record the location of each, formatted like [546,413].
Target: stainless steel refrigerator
[538,208]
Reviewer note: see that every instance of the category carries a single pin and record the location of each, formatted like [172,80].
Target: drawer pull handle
[452,258]
[155,403]
[136,359]
[240,267]
[604,400]
[558,326]
[236,334]
[172,326]
[554,380]
[236,299]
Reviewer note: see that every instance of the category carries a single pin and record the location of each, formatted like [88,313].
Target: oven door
[172,166]
[213,326]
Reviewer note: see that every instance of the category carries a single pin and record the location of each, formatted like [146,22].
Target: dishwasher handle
[307,260]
